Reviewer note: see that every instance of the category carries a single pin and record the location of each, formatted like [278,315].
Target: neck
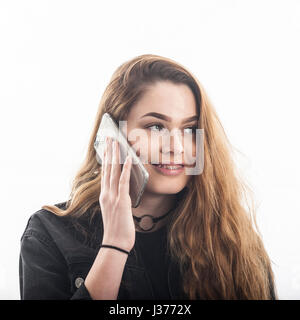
[155,205]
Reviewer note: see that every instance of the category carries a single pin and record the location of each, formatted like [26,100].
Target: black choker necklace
[143,220]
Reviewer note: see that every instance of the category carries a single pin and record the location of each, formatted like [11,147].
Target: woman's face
[164,137]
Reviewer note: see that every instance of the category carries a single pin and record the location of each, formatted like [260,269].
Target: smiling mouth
[169,170]
[168,166]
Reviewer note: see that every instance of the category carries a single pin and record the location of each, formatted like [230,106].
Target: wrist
[103,245]
[116,243]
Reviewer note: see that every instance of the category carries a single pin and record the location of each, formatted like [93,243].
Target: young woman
[199,241]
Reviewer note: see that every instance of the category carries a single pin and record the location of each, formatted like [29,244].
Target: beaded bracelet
[113,247]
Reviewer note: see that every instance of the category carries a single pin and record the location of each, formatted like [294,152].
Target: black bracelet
[113,247]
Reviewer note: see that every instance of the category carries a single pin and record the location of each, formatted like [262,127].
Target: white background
[56,58]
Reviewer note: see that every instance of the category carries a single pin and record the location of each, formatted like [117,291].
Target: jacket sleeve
[43,272]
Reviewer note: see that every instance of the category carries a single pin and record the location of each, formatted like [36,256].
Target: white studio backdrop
[56,57]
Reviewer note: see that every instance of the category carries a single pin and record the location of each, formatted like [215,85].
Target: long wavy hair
[213,234]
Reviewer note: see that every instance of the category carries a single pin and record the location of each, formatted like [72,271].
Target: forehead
[174,100]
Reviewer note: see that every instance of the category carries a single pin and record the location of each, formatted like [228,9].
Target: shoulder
[42,219]
[41,222]
[62,230]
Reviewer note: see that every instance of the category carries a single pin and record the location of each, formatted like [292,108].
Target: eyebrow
[166,118]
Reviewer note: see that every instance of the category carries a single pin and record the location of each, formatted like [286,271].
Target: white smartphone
[139,175]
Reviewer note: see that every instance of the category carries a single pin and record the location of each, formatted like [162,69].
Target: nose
[173,143]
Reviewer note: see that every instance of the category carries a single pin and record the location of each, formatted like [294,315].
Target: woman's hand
[115,201]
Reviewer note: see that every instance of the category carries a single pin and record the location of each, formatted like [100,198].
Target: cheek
[142,148]
[189,152]
[147,149]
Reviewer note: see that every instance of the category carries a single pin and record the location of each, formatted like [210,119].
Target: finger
[125,177]
[116,168]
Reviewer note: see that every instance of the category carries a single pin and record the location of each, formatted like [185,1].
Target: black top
[153,247]
[55,258]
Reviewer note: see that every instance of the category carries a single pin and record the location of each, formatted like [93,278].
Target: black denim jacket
[55,258]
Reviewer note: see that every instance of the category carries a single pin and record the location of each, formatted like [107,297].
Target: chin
[162,184]
[165,188]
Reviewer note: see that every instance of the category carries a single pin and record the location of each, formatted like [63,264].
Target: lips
[168,169]
[169,166]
